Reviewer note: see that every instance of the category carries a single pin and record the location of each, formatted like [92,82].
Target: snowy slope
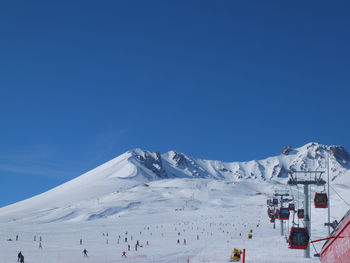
[154,197]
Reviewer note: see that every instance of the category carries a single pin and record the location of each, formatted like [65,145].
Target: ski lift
[298,238]
[321,200]
[275,201]
[300,213]
[270,212]
[283,213]
[291,207]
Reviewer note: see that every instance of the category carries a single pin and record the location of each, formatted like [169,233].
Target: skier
[184,241]
[81,241]
[126,239]
[16,237]
[136,247]
[178,242]
[40,246]
[85,252]
[19,256]
[21,259]
[123,254]
[129,247]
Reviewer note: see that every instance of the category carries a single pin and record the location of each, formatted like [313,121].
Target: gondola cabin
[283,213]
[275,201]
[298,238]
[270,212]
[300,213]
[321,200]
[291,207]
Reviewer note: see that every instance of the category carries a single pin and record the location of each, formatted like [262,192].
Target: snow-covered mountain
[140,178]
[312,156]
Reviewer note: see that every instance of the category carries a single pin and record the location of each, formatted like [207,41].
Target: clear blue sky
[84,81]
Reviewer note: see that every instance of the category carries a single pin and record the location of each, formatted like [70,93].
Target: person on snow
[21,259]
[129,247]
[178,242]
[81,241]
[19,256]
[123,254]
[85,252]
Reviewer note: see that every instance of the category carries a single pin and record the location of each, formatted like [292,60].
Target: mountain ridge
[140,178]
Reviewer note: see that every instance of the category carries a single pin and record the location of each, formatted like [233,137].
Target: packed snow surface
[209,207]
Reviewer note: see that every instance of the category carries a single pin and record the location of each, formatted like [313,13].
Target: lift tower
[306,181]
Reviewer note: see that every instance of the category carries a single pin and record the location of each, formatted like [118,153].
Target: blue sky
[84,81]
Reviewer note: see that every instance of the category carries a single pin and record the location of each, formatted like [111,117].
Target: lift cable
[339,196]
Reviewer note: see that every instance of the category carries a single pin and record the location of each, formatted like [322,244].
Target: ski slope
[159,199]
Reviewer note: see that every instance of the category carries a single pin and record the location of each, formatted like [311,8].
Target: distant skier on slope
[19,256]
[85,252]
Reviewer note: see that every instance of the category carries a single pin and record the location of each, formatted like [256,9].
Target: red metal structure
[298,238]
[337,247]
[321,200]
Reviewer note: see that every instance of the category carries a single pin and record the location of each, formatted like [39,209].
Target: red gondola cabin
[300,213]
[298,238]
[291,207]
[275,201]
[321,200]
